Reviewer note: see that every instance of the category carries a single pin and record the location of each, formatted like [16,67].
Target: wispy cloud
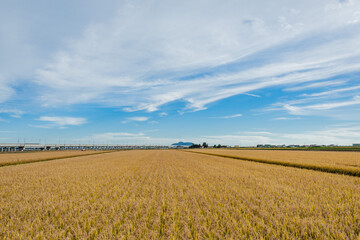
[6,91]
[252,95]
[331,135]
[168,64]
[340,90]
[42,126]
[345,136]
[301,59]
[136,119]
[231,116]
[310,109]
[15,113]
[258,133]
[127,138]
[62,122]
[111,136]
[286,118]
[243,140]
[315,85]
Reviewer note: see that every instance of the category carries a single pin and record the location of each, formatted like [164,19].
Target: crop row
[307,160]
[31,157]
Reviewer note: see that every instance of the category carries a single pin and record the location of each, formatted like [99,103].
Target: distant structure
[182,145]
[19,147]
[274,146]
[356,145]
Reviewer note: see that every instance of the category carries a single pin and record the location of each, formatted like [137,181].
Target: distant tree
[205,145]
[195,146]
[217,146]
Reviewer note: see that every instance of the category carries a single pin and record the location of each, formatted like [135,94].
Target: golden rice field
[170,194]
[26,157]
[347,161]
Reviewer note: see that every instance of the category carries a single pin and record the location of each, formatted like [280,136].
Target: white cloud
[315,85]
[136,119]
[111,136]
[312,109]
[127,138]
[139,119]
[243,140]
[62,121]
[340,90]
[15,113]
[42,126]
[326,106]
[258,133]
[286,118]
[330,135]
[252,95]
[140,58]
[341,135]
[5,90]
[231,116]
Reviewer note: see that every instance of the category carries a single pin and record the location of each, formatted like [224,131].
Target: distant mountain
[183,144]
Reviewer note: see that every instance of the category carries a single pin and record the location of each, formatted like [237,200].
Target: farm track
[345,169]
[169,194]
[5,163]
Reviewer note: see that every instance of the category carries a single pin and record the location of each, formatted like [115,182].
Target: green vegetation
[325,148]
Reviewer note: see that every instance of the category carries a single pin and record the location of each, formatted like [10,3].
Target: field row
[164,194]
[7,159]
[347,163]
[318,148]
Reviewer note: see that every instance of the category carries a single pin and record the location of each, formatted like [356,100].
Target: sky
[151,72]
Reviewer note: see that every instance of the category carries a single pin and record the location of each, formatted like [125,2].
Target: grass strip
[49,159]
[349,172]
[316,149]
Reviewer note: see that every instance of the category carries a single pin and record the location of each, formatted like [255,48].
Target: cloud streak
[136,119]
[127,138]
[145,62]
[231,116]
[62,122]
[330,135]
[15,113]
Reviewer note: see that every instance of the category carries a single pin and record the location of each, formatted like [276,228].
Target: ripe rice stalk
[174,195]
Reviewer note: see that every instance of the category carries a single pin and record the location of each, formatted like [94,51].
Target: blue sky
[157,72]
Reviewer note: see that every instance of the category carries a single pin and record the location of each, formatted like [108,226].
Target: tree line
[205,145]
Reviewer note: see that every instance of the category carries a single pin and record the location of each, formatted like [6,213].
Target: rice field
[341,162]
[27,157]
[170,194]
